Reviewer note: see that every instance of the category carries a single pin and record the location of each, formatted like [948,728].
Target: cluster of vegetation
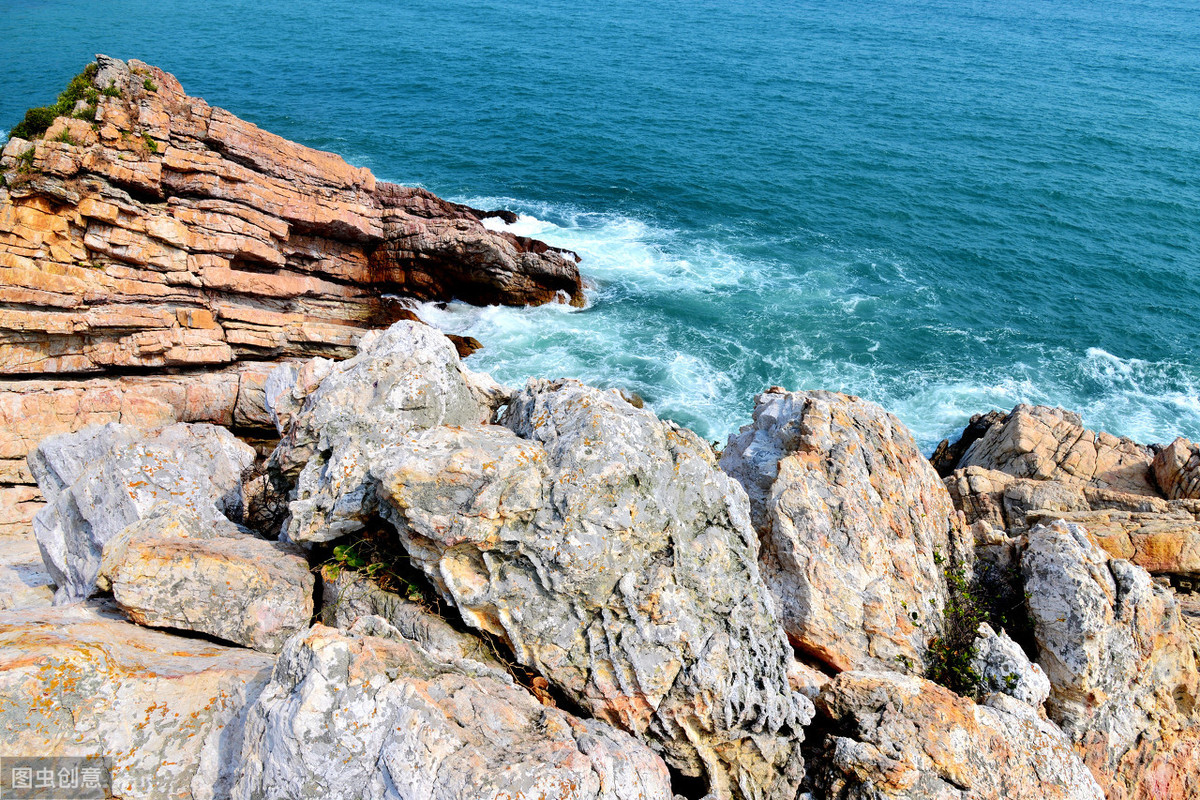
[377,553]
[149,85]
[151,145]
[38,120]
[998,600]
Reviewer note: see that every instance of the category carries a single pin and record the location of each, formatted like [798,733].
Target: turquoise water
[942,206]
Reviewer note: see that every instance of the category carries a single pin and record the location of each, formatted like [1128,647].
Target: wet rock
[174,570]
[102,479]
[1052,444]
[168,711]
[350,715]
[605,549]
[853,521]
[896,736]
[1122,669]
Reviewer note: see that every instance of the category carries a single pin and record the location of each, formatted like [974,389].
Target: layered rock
[901,737]
[1177,470]
[1121,664]
[350,715]
[167,711]
[174,570]
[170,237]
[854,523]
[104,478]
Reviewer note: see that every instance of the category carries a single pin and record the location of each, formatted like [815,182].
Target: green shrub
[951,653]
[149,85]
[65,137]
[111,91]
[25,161]
[38,120]
[151,145]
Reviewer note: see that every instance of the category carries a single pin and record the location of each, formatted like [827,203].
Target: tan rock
[1177,470]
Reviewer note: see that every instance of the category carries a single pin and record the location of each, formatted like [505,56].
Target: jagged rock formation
[1177,470]
[853,521]
[349,715]
[1003,667]
[154,259]
[1122,668]
[898,737]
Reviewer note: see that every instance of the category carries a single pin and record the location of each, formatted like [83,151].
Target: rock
[175,236]
[1003,667]
[173,570]
[407,378]
[605,549]
[1122,668]
[1052,444]
[24,581]
[853,521]
[946,456]
[348,715]
[897,736]
[167,711]
[100,480]
[1176,470]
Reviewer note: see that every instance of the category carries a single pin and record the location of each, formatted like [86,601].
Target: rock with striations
[350,715]
[167,711]
[606,550]
[900,737]
[102,479]
[1002,666]
[156,264]
[1051,444]
[1177,470]
[175,570]
[854,524]
[404,379]
[1122,669]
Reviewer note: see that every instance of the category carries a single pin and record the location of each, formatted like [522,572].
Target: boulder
[174,570]
[854,524]
[1052,444]
[350,715]
[1122,668]
[102,479]
[946,456]
[900,737]
[24,580]
[606,550]
[167,711]
[1002,666]
[407,378]
[1177,470]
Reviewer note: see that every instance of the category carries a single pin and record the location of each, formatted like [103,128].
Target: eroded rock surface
[1177,470]
[350,715]
[104,478]
[174,570]
[167,711]
[853,521]
[895,736]
[1121,665]
[1003,667]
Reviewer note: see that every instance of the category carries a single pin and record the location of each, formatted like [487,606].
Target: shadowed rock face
[172,237]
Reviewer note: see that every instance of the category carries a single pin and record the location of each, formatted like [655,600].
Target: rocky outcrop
[1002,666]
[946,455]
[175,570]
[350,715]
[1176,470]
[102,479]
[156,252]
[167,711]
[853,521]
[1121,665]
[1051,444]
[902,737]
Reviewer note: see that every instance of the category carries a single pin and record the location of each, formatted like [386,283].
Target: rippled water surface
[942,206]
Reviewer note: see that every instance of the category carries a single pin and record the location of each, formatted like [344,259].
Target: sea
[942,206]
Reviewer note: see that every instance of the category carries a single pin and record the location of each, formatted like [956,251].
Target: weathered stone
[1177,470]
[406,378]
[174,570]
[24,580]
[167,711]
[104,478]
[610,555]
[348,715]
[1052,444]
[853,521]
[946,456]
[902,737]
[1122,668]
[1003,667]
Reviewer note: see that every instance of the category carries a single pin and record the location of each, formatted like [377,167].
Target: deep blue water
[942,206]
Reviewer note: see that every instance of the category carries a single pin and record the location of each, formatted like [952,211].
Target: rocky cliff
[158,257]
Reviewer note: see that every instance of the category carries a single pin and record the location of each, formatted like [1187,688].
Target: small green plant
[65,137]
[111,91]
[950,654]
[38,120]
[151,145]
[25,161]
[149,85]
[381,560]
